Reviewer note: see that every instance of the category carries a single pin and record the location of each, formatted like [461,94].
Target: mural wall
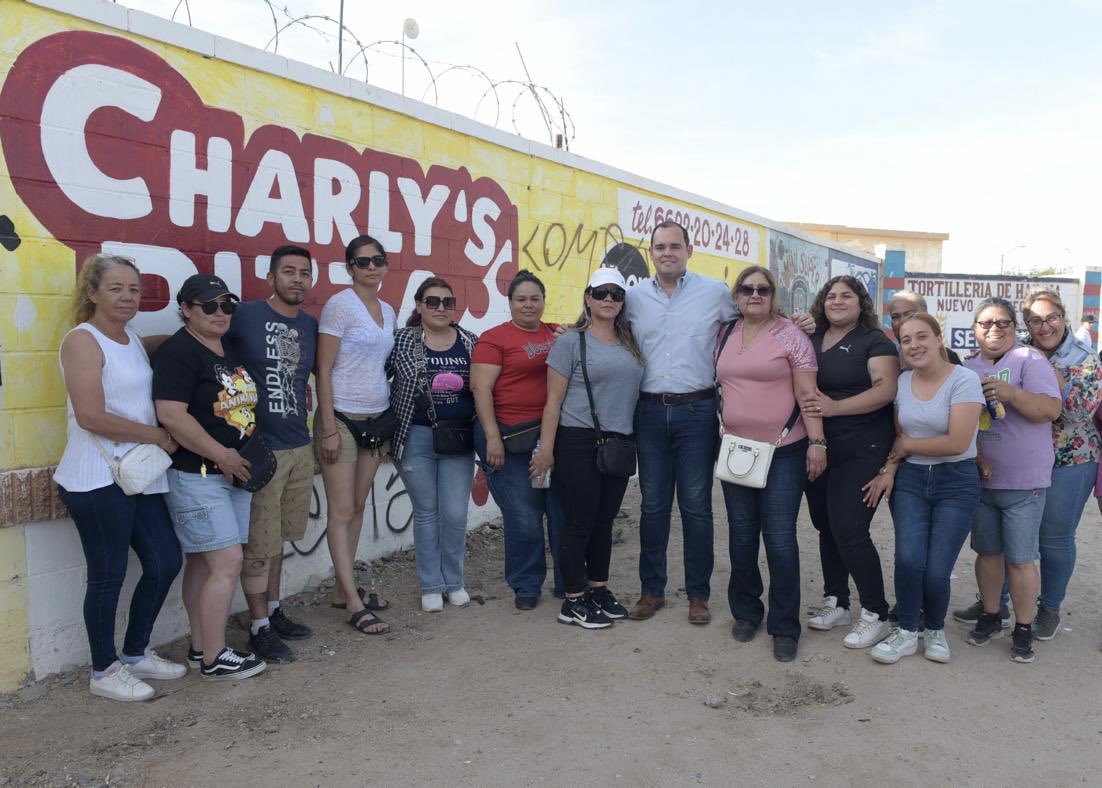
[124,133]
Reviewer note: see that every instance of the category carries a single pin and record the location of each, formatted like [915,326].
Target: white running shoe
[900,643]
[118,683]
[459,598]
[868,631]
[432,603]
[153,666]
[937,647]
[829,615]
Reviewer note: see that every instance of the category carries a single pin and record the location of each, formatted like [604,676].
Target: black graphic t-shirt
[449,374]
[279,353]
[844,372]
[219,392]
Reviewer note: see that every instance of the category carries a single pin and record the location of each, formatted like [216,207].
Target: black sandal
[358,622]
[371,601]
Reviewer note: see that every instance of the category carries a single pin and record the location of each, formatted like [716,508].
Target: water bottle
[543,481]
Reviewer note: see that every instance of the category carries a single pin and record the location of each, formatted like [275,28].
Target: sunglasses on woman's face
[601,293]
[436,302]
[210,307]
[748,290]
[375,261]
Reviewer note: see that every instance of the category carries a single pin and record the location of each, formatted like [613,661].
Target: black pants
[590,502]
[839,514]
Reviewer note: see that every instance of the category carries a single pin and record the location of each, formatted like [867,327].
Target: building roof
[841,228]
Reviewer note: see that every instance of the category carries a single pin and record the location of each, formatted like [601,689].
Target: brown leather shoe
[698,611]
[646,607]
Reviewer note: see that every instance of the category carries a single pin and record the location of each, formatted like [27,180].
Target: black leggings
[839,514]
[590,502]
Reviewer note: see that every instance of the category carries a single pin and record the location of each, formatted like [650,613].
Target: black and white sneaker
[267,645]
[606,601]
[194,658]
[288,629]
[583,611]
[232,665]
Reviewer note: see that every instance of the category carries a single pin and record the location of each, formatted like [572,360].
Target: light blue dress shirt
[678,334]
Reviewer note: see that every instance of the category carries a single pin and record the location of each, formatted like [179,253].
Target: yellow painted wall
[14,631]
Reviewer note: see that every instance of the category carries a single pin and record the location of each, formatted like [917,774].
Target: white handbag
[138,468]
[746,462]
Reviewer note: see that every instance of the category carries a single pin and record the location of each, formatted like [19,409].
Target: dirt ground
[490,696]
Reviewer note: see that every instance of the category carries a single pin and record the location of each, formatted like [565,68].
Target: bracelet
[330,435]
[817,442]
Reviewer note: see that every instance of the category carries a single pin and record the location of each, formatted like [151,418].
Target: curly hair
[868,317]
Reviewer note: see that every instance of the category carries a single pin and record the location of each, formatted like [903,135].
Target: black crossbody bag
[615,452]
[371,433]
[449,436]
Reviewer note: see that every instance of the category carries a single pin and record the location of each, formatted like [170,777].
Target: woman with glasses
[509,381]
[355,337]
[1016,457]
[110,411]
[934,485]
[1076,439]
[206,399]
[430,392]
[590,499]
[765,366]
[856,384]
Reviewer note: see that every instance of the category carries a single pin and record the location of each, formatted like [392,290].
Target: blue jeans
[439,487]
[110,522]
[768,515]
[677,452]
[932,508]
[523,508]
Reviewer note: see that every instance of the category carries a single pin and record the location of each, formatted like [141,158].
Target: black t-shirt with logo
[844,372]
[219,393]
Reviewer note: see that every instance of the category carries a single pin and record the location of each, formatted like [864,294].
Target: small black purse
[615,452]
[262,463]
[371,433]
[521,438]
[449,436]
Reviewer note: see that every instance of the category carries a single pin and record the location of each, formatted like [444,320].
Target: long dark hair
[428,284]
[868,316]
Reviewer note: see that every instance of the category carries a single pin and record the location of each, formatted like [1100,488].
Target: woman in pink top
[764,366]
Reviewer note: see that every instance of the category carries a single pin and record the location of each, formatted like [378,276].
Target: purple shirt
[1018,450]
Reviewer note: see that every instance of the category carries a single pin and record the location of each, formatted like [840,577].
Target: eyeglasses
[435,302]
[749,290]
[375,261]
[986,324]
[210,307]
[601,293]
[1053,320]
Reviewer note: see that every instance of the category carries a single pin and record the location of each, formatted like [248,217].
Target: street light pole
[1002,257]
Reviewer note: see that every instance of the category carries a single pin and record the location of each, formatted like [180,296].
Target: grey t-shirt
[930,418]
[614,374]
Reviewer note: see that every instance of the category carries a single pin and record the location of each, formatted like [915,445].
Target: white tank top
[127,392]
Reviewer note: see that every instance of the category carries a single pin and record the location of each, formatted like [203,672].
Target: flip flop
[371,602]
[358,622]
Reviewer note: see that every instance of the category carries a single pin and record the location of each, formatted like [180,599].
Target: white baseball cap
[607,276]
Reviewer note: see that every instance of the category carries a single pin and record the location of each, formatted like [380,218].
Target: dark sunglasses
[375,261]
[210,307]
[986,324]
[601,293]
[435,302]
[749,290]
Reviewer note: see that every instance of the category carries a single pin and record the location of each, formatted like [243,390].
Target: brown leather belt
[676,399]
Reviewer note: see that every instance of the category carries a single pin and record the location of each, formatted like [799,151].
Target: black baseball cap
[203,287]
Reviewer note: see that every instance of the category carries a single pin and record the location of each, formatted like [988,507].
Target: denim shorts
[208,514]
[1008,522]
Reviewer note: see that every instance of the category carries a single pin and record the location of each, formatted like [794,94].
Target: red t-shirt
[520,391]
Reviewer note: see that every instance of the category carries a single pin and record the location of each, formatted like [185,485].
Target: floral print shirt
[1075,434]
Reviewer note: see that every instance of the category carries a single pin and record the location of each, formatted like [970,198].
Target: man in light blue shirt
[676,316]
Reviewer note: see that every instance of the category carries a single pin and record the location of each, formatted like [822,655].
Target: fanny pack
[371,433]
[521,438]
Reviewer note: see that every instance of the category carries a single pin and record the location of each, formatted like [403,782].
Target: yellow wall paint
[14,632]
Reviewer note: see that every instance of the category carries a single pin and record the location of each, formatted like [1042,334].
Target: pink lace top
[757,383]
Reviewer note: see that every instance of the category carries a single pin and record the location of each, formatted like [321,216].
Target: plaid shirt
[405,379]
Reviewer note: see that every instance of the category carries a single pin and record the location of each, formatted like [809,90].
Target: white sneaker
[868,631]
[155,667]
[900,643]
[937,647]
[432,603]
[459,598]
[829,615]
[118,683]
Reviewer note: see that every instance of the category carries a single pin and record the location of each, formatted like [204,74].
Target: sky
[978,119]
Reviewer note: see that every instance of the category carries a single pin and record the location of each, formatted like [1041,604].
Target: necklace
[748,339]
